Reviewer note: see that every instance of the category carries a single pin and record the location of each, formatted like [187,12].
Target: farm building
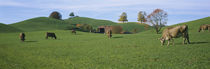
[115,29]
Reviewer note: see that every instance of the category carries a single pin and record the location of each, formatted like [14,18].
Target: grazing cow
[48,34]
[22,36]
[204,27]
[73,31]
[175,32]
[109,33]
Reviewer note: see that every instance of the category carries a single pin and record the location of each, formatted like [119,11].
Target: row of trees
[57,15]
[158,18]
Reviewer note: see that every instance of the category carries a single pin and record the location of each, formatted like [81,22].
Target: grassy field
[96,51]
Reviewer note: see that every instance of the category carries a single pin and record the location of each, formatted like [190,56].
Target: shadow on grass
[118,37]
[198,42]
[30,41]
[192,43]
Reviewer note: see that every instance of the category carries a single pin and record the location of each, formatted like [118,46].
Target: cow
[73,31]
[52,35]
[175,32]
[204,27]
[109,33]
[22,36]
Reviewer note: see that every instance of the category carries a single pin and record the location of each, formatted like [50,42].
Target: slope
[6,29]
[41,23]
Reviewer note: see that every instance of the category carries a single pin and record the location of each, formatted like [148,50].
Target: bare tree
[158,18]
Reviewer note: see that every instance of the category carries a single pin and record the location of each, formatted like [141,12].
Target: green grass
[7,29]
[93,22]
[96,51]
[40,24]
[45,23]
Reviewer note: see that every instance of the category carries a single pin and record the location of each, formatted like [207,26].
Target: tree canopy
[56,15]
[123,18]
[158,18]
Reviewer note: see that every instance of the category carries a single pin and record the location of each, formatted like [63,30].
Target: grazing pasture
[96,51]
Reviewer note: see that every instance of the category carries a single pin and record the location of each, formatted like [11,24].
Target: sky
[12,11]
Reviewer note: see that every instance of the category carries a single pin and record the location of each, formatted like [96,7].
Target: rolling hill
[195,24]
[40,24]
[6,28]
[45,23]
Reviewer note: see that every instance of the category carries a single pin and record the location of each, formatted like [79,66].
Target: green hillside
[41,23]
[96,51]
[93,22]
[6,28]
[132,25]
[45,23]
[195,25]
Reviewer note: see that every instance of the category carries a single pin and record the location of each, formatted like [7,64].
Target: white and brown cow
[175,32]
[204,27]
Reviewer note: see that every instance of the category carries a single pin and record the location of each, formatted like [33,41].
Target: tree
[158,18]
[55,15]
[71,14]
[141,17]
[123,18]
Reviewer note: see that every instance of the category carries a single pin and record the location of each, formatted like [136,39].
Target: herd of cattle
[167,34]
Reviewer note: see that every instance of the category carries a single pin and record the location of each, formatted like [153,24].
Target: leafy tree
[123,18]
[55,15]
[158,18]
[71,14]
[141,17]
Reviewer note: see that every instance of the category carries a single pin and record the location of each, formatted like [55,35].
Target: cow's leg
[168,42]
[188,40]
[184,39]
[46,37]
[172,41]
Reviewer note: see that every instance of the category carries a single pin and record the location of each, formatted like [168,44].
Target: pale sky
[12,11]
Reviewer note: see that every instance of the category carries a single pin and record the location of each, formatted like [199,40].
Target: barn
[115,29]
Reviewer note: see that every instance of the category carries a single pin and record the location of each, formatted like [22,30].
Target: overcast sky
[12,11]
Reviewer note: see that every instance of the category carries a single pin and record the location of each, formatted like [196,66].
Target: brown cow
[73,31]
[175,32]
[109,33]
[204,27]
[22,36]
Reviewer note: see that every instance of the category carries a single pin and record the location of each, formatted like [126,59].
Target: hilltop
[6,28]
[40,24]
[195,24]
[45,23]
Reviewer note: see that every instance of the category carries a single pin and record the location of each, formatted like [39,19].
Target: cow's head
[162,40]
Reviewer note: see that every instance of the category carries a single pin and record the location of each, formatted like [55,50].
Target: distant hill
[96,22]
[93,22]
[41,23]
[6,28]
[130,26]
[195,24]
[45,23]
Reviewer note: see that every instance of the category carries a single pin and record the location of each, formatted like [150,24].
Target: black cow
[48,34]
